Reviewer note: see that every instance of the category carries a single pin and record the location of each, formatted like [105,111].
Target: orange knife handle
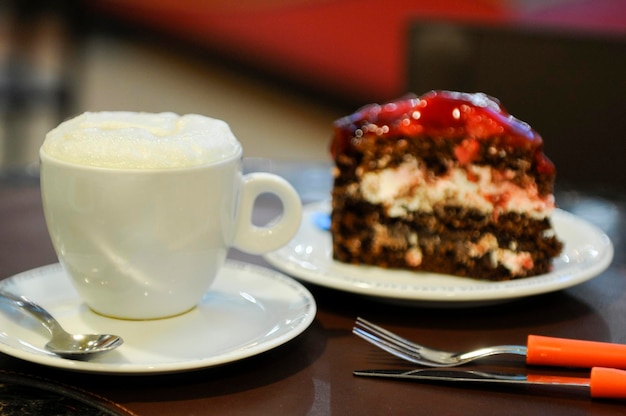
[574,353]
[608,383]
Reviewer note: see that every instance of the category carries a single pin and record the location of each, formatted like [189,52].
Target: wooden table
[312,374]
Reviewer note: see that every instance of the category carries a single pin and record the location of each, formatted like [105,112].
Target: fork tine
[387,341]
[386,334]
[386,346]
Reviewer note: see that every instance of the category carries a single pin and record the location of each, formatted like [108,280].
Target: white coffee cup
[147,242]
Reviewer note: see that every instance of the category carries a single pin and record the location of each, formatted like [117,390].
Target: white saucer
[247,311]
[587,252]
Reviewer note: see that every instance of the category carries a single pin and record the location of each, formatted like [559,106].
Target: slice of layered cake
[447,182]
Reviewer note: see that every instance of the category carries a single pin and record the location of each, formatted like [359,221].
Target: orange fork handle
[574,353]
[607,383]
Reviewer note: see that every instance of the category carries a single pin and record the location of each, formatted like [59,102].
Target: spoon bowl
[81,346]
[62,343]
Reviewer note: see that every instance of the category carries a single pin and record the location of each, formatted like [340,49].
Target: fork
[420,354]
[540,350]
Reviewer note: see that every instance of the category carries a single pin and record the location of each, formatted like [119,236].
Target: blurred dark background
[280,71]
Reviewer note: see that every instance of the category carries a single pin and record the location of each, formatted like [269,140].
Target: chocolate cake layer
[446,241]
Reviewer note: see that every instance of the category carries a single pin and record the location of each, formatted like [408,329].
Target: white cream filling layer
[407,188]
[516,262]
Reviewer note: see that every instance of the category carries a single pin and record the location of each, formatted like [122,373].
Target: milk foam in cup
[142,208]
[128,140]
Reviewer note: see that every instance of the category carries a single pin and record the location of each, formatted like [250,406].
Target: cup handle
[259,240]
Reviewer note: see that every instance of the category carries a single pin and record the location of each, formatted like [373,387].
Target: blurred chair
[569,86]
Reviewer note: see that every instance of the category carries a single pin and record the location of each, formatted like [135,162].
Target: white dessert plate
[308,257]
[247,311]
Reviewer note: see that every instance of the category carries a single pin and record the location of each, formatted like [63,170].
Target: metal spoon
[62,343]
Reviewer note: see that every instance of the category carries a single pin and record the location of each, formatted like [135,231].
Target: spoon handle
[27,305]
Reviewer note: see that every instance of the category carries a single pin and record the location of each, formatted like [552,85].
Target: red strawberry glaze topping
[443,114]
